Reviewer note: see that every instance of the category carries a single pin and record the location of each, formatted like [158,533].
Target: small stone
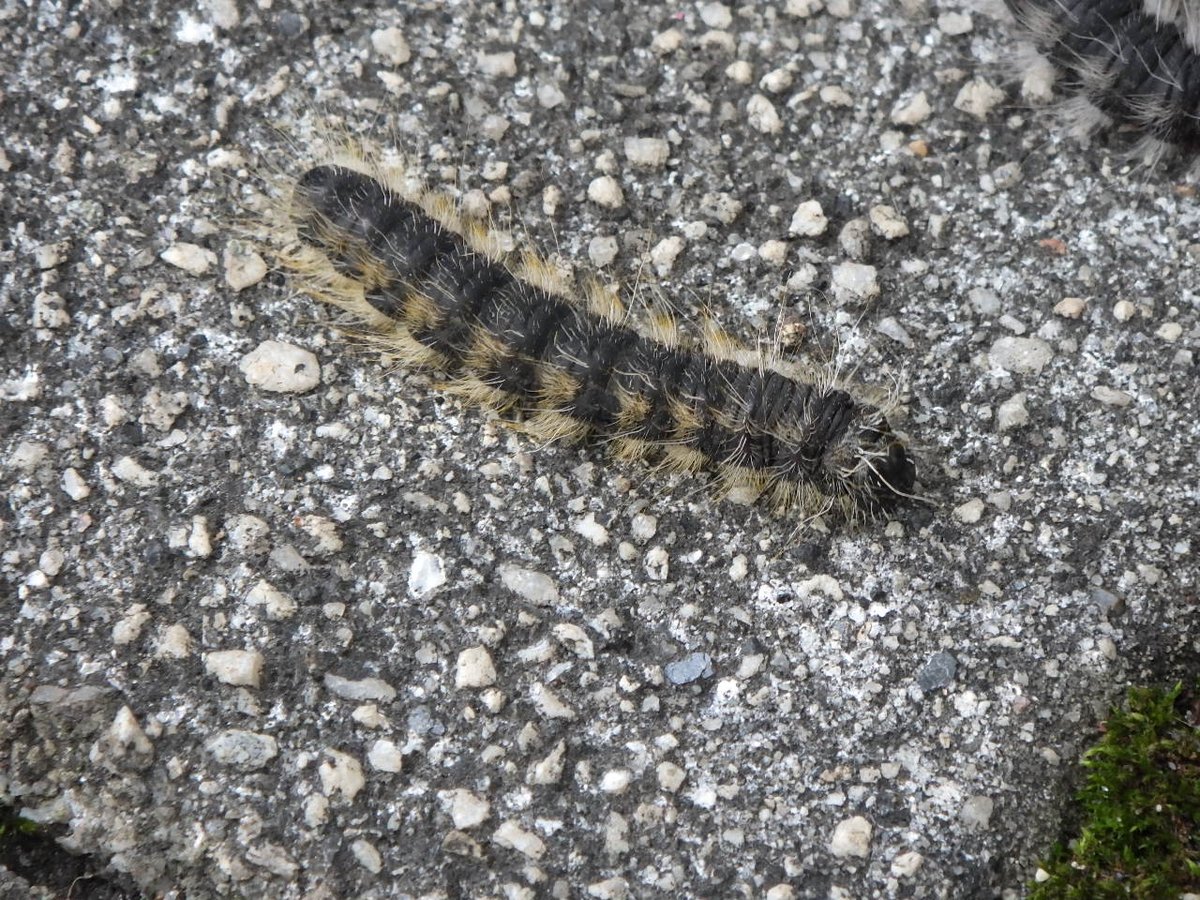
[1111,396]
[1169,331]
[363,689]
[49,312]
[341,773]
[913,111]
[938,672]
[615,781]
[391,45]
[497,65]
[716,15]
[781,892]
[761,114]
[1020,355]
[550,769]
[891,328]
[385,756]
[776,81]
[474,669]
[1070,307]
[173,642]
[281,368]
[773,253]
[670,776]
[589,528]
[1007,176]
[836,96]
[247,534]
[130,471]
[535,587]
[691,668]
[548,703]
[192,258]
[905,865]
[647,152]
[602,251]
[740,71]
[368,857]
[129,628]
[606,191]
[1123,310]
[615,888]
[852,837]
[667,41]
[976,813]
[514,837]
[550,95]
[854,282]
[808,220]
[664,254]
[242,749]
[466,808]
[970,512]
[657,563]
[575,638]
[124,739]
[855,238]
[984,301]
[887,222]
[275,603]
[74,486]
[243,267]
[426,574]
[1012,413]
[237,667]
[954,23]
[978,97]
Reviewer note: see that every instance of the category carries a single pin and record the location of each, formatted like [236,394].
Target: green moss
[13,827]
[1139,815]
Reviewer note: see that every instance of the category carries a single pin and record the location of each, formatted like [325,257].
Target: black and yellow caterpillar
[430,288]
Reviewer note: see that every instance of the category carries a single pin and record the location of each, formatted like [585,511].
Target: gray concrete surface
[362,641]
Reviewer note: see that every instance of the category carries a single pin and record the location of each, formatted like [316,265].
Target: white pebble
[497,65]
[589,528]
[1012,413]
[514,837]
[615,781]
[1020,355]
[670,776]
[602,251]
[237,667]
[385,756]
[550,769]
[657,563]
[341,773]
[1123,310]
[643,527]
[1070,307]
[281,368]
[550,95]
[773,253]
[466,808]
[887,222]
[954,23]
[854,282]
[361,689]
[976,813]
[192,258]
[74,486]
[776,80]
[978,98]
[1111,396]
[761,114]
[277,604]
[474,669]
[905,865]
[1169,331]
[836,96]
[426,575]
[852,837]
[173,642]
[647,152]
[970,512]
[808,220]
[391,45]
[716,15]
[242,749]
[606,191]
[667,41]
[913,111]
[368,857]
[891,328]
[130,471]
[534,586]
[575,638]
[739,71]
[664,254]
[548,703]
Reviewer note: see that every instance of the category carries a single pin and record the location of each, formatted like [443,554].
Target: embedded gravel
[285,622]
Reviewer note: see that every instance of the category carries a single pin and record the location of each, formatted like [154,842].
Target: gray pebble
[938,672]
[692,667]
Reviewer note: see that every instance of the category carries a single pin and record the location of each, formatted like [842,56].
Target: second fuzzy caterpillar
[432,291]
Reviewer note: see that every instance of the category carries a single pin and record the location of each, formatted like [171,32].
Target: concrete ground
[354,639]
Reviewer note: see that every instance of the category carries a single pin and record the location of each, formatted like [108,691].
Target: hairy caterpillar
[1132,63]
[431,289]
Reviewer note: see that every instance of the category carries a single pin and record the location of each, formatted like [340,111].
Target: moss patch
[1139,819]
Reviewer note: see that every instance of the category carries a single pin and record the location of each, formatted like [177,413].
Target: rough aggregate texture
[350,536]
